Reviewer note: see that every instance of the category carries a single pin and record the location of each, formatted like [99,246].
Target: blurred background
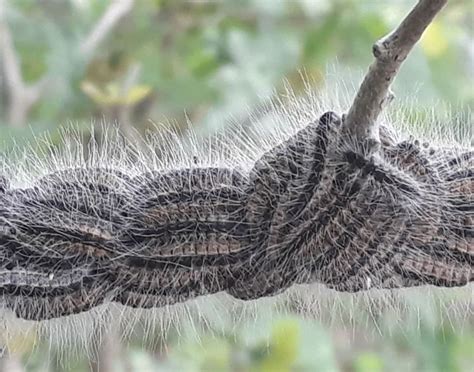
[142,63]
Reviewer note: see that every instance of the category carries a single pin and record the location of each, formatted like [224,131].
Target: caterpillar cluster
[305,208]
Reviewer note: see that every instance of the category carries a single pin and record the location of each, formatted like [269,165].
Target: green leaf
[112,95]
[368,362]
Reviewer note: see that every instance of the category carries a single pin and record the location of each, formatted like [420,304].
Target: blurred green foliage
[209,62]
[214,60]
[291,342]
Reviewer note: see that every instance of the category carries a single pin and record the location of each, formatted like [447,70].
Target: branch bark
[389,52]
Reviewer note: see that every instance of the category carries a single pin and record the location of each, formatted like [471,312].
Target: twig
[389,53]
[21,95]
[114,13]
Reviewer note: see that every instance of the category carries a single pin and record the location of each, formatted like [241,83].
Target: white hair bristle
[235,147]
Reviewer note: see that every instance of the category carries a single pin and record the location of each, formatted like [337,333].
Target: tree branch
[21,95]
[115,12]
[389,53]
[10,59]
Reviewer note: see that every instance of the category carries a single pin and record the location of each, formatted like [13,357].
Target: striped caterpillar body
[313,208]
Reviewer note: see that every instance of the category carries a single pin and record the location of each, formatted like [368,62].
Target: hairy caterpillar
[151,227]
[149,240]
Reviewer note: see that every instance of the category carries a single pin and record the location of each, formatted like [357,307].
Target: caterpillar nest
[148,232]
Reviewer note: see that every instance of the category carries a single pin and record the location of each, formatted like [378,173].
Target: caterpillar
[308,209]
[245,216]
